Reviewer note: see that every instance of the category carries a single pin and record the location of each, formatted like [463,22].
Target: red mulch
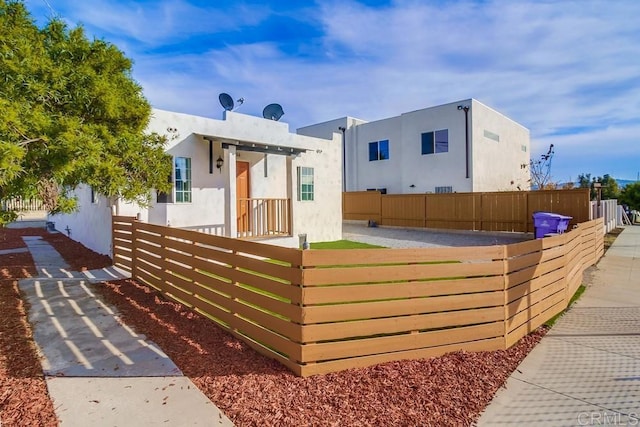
[253,390]
[79,257]
[24,399]
[11,238]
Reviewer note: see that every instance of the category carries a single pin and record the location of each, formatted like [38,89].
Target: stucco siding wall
[500,147]
[378,174]
[274,184]
[407,170]
[493,166]
[207,192]
[320,219]
[90,225]
[428,171]
[325,130]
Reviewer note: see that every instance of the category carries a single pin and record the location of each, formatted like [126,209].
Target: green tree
[584,180]
[610,189]
[71,114]
[609,186]
[630,195]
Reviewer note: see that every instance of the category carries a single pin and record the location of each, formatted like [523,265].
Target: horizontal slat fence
[319,311]
[498,211]
[122,241]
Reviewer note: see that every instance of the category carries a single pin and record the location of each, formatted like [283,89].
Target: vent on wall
[491,135]
[444,189]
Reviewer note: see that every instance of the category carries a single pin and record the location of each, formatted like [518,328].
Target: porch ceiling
[256,146]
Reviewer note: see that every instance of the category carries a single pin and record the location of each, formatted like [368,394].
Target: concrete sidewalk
[586,370]
[100,372]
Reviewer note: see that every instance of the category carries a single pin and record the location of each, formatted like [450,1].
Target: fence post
[505,272]
[134,255]
[565,272]
[113,240]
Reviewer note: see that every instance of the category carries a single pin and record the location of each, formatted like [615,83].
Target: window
[379,150]
[183,179]
[94,196]
[444,189]
[435,142]
[305,183]
[523,148]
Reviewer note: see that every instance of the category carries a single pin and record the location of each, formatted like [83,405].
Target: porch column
[230,199]
[291,191]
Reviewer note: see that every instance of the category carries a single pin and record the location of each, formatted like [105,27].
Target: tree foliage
[609,186]
[71,114]
[584,180]
[630,196]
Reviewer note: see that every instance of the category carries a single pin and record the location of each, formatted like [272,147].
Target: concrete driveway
[395,237]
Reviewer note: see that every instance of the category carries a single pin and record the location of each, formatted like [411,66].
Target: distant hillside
[621,184]
[624,182]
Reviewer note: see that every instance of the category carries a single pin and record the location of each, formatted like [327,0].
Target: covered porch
[259,186]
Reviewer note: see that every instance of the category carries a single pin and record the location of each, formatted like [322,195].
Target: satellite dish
[273,112]
[226,101]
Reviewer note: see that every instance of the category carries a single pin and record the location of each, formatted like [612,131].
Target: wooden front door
[242,196]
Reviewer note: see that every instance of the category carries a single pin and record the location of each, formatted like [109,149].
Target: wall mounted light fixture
[219,163]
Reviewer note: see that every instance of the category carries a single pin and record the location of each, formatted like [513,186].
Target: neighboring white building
[242,176]
[463,146]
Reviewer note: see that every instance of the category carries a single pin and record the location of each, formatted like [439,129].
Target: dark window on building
[379,150]
[435,142]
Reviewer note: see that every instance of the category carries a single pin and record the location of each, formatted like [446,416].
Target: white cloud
[549,65]
[153,23]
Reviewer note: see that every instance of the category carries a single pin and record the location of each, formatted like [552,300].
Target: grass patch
[574,298]
[343,244]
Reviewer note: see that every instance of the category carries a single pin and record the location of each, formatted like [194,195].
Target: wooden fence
[500,211]
[319,311]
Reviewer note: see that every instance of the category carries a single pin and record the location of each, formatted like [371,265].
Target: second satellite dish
[226,101]
[273,112]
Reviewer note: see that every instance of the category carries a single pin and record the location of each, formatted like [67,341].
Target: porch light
[219,163]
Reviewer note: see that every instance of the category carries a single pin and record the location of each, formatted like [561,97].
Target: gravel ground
[251,389]
[392,237]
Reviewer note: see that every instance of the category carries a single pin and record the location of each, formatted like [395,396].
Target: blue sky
[567,70]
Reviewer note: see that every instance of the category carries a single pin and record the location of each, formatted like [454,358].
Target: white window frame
[304,173]
[182,195]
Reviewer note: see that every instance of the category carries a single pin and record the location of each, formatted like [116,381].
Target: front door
[242,195]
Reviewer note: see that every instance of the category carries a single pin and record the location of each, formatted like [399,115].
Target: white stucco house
[462,146]
[241,177]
